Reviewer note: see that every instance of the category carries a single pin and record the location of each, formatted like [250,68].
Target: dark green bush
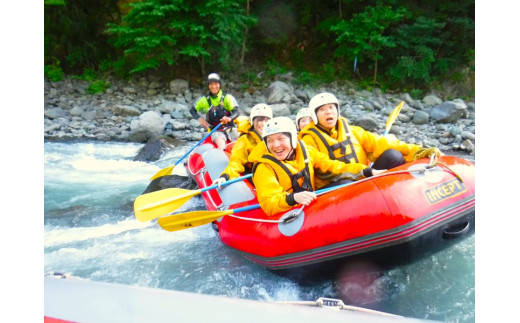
[97,87]
[53,72]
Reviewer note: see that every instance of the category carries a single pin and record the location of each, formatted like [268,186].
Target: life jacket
[346,149]
[258,139]
[279,167]
[215,113]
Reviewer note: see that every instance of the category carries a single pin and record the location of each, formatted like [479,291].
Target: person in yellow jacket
[332,134]
[283,172]
[250,136]
[303,118]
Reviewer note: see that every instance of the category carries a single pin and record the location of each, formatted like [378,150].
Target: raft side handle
[202,170]
[456,230]
[329,302]
[292,216]
[338,304]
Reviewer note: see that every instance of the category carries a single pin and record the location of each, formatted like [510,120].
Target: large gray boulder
[280,92]
[448,112]
[280,110]
[149,125]
[156,147]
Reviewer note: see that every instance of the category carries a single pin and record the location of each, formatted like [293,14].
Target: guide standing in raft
[218,108]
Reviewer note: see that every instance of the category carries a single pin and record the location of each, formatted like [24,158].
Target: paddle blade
[189,220]
[163,172]
[156,204]
[393,116]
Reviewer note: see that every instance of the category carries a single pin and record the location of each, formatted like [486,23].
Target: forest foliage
[395,44]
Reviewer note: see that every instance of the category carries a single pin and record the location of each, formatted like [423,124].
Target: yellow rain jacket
[238,163]
[274,186]
[352,144]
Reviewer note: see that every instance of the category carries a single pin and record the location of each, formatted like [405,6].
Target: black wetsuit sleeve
[367,172]
[234,113]
[290,199]
[194,113]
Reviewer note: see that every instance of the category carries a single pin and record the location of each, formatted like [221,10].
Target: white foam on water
[55,237]
[101,163]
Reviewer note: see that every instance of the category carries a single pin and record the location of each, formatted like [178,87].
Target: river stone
[171,181]
[431,100]
[421,117]
[129,90]
[55,113]
[448,112]
[367,123]
[178,86]
[280,110]
[154,85]
[467,135]
[280,92]
[156,147]
[406,98]
[125,110]
[403,118]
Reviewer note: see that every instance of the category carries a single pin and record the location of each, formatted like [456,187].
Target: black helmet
[214,77]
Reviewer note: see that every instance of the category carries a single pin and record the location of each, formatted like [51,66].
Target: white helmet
[304,112]
[321,99]
[214,77]
[280,125]
[261,110]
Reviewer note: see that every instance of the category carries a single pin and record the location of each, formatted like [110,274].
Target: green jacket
[220,105]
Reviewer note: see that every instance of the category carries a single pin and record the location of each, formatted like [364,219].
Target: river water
[90,231]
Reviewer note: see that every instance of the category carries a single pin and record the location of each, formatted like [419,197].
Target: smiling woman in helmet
[250,136]
[218,108]
[303,118]
[283,172]
[333,135]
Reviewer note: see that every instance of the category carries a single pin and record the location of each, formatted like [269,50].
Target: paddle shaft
[168,170]
[196,218]
[242,209]
[256,206]
[318,192]
[187,194]
[231,181]
[203,138]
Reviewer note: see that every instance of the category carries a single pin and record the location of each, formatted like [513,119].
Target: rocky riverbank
[139,110]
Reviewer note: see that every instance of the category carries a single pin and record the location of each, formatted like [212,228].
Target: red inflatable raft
[416,208]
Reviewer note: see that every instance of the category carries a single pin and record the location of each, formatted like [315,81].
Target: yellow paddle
[192,219]
[390,121]
[152,205]
[392,117]
[168,170]
[195,218]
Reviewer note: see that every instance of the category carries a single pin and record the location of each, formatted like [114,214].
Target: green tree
[365,34]
[74,33]
[417,46]
[157,32]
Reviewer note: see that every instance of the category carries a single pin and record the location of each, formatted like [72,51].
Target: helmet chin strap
[325,129]
[291,155]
